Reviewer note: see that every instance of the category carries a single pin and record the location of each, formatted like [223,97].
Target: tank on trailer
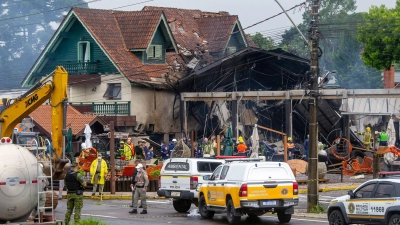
[18,183]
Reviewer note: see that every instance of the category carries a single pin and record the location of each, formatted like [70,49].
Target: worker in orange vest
[290,148]
[241,147]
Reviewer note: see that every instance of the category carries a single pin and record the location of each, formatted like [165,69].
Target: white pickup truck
[180,178]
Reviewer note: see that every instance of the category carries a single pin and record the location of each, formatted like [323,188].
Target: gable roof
[118,33]
[137,27]
[41,117]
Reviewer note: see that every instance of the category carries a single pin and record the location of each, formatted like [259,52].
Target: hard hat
[289,138]
[368,129]
[240,139]
[174,140]
[121,142]
[83,145]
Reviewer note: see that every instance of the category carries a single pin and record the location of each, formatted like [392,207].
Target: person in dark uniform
[75,186]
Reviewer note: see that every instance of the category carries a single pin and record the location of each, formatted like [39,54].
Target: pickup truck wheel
[232,219]
[336,218]
[394,219]
[203,209]
[284,218]
[182,205]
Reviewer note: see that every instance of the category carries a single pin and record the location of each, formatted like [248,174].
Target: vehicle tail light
[243,190]
[8,140]
[193,182]
[3,140]
[159,182]
[295,188]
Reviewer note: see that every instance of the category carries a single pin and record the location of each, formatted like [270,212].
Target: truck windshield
[28,141]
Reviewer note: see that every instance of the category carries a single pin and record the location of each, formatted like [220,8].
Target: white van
[179,178]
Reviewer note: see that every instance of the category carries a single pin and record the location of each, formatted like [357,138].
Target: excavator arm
[53,88]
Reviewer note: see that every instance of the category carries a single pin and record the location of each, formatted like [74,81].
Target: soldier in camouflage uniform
[75,186]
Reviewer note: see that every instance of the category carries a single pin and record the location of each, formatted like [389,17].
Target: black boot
[140,206]
[144,211]
[131,205]
[133,211]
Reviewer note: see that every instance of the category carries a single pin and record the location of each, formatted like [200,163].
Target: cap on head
[174,140]
[121,142]
[139,166]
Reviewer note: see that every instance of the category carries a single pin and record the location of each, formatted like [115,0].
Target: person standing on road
[137,162]
[141,182]
[132,147]
[75,186]
[98,169]
[367,138]
[242,147]
[383,138]
[306,146]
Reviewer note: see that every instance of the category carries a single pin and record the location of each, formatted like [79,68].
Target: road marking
[320,221]
[112,217]
[162,202]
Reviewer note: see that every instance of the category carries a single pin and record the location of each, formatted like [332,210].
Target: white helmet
[83,145]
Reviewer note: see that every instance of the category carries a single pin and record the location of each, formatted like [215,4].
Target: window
[224,172]
[84,51]
[384,191]
[231,50]
[365,192]
[266,173]
[113,91]
[207,166]
[154,52]
[215,175]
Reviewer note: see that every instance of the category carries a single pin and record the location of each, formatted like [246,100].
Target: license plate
[269,202]
[176,194]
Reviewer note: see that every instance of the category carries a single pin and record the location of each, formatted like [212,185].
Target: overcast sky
[249,11]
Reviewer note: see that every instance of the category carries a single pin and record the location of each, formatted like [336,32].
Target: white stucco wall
[143,106]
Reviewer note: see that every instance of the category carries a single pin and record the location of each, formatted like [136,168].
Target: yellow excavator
[52,88]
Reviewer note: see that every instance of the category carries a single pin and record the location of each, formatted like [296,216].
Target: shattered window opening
[113,91]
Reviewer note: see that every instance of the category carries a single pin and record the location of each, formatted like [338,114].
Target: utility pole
[312,193]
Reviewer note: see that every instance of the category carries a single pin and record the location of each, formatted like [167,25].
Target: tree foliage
[25,28]
[380,36]
[262,42]
[338,42]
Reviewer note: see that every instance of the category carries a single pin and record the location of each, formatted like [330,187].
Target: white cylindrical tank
[18,183]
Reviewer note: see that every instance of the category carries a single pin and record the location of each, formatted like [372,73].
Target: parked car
[376,201]
[180,177]
[245,186]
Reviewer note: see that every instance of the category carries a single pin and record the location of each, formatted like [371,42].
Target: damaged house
[124,65]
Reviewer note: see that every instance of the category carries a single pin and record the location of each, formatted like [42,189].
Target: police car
[376,201]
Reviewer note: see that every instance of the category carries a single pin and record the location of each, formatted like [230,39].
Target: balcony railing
[116,108]
[80,67]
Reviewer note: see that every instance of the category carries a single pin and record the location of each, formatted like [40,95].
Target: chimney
[388,78]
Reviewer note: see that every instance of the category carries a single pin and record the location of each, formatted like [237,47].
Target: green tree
[263,42]
[341,51]
[380,37]
[25,28]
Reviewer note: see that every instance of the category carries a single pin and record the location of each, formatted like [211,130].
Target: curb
[311,215]
[115,197]
[342,188]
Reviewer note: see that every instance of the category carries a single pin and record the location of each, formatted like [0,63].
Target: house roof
[137,27]
[118,33]
[191,28]
[41,117]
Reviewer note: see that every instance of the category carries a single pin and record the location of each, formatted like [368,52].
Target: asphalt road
[162,212]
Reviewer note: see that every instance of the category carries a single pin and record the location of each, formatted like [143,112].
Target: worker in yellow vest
[367,138]
[290,147]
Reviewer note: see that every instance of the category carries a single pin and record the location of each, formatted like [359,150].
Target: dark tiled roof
[84,79]
[216,31]
[137,27]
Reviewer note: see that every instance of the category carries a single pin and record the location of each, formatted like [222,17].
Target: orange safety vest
[290,145]
[241,148]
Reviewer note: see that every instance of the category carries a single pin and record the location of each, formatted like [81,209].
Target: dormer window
[155,52]
[84,51]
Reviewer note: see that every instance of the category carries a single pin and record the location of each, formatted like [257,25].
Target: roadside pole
[312,194]
[112,158]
